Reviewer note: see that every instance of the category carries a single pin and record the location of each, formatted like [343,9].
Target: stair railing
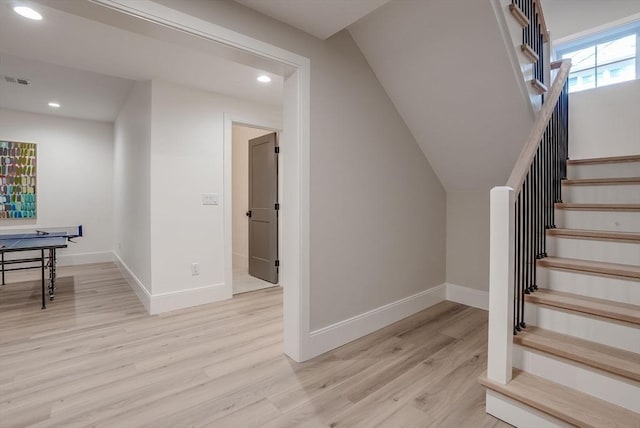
[521,212]
[534,34]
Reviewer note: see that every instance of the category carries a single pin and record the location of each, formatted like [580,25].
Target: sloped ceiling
[445,67]
[568,17]
[320,18]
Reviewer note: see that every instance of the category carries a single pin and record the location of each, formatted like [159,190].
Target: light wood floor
[94,358]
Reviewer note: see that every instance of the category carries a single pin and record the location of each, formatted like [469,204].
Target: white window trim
[602,34]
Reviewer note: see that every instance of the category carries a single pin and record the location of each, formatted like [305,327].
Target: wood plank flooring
[95,358]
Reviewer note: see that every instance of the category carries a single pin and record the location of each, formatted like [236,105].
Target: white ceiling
[320,18]
[71,42]
[77,91]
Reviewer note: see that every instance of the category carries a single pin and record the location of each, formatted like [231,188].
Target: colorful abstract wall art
[17,180]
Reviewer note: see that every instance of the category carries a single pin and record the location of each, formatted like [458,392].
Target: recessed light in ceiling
[54,104]
[27,12]
[264,78]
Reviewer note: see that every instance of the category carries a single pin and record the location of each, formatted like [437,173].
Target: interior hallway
[94,357]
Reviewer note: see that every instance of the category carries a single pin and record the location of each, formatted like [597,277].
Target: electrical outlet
[195,269]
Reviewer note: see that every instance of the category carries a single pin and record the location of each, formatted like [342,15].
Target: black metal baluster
[534,223]
[547,193]
[529,229]
[534,41]
[540,196]
[526,236]
[516,271]
[542,186]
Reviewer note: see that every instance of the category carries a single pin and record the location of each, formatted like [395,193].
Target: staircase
[577,362]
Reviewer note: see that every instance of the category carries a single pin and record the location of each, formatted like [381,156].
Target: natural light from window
[602,60]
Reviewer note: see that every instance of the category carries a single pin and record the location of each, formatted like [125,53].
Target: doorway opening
[255,207]
[216,41]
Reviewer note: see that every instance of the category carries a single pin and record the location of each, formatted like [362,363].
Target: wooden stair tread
[595,234]
[538,86]
[588,305]
[612,360]
[529,53]
[519,15]
[561,402]
[589,266]
[598,207]
[601,181]
[610,159]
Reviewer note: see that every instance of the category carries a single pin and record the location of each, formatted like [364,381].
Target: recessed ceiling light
[27,12]
[264,78]
[54,104]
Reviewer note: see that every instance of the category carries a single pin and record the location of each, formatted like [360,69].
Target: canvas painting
[18,180]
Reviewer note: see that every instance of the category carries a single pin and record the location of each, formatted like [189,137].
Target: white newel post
[501,253]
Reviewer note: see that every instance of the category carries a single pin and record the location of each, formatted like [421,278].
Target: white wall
[75,176]
[604,121]
[187,161]
[377,208]
[468,239]
[567,17]
[132,179]
[240,182]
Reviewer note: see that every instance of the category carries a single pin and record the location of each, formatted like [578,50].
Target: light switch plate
[209,199]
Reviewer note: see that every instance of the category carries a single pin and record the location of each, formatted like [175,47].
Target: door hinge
[277,149]
[277,206]
[277,263]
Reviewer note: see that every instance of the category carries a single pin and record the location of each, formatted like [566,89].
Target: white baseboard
[468,296]
[188,298]
[85,258]
[335,335]
[166,302]
[135,284]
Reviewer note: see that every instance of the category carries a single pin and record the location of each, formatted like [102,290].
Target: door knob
[249,213]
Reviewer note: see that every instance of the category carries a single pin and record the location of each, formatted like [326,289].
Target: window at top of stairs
[603,58]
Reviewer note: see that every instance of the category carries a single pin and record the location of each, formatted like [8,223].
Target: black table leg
[3,268]
[44,303]
[52,273]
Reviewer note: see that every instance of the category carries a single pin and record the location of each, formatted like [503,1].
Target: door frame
[295,156]
[230,120]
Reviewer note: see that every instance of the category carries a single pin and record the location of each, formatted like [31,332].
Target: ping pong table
[45,240]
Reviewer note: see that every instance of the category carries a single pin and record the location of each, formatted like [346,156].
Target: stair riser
[517,414]
[600,287]
[601,251]
[608,170]
[602,385]
[601,330]
[627,221]
[602,194]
